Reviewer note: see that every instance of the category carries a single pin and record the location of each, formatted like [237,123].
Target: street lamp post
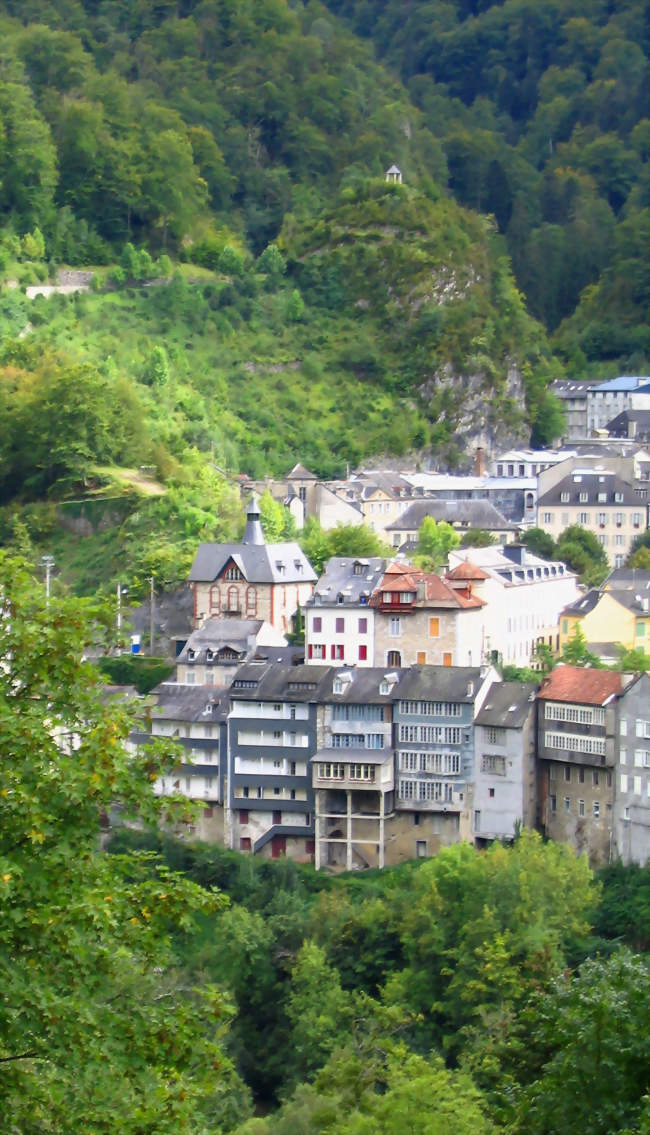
[48,564]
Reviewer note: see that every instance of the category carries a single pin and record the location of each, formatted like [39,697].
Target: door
[278,846]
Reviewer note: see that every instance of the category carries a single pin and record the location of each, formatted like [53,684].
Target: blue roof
[624,384]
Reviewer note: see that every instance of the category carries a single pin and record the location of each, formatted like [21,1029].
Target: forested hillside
[219,167]
[541,109]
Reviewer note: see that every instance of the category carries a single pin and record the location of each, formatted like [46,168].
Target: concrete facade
[505,774]
[631,822]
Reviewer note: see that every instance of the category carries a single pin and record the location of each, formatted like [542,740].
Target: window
[567,773]
[277,817]
[395,625]
[394,658]
[581,776]
[547,518]
[584,715]
[583,497]
[596,810]
[245,843]
[639,629]
[636,519]
[434,628]
[363,626]
[553,800]
[601,519]
[340,626]
[495,736]
[491,793]
[596,776]
[477,820]
[317,624]
[581,807]
[420,849]
[232,573]
[363,653]
[243,816]
[317,650]
[494,764]
[567,803]
[583,518]
[565,497]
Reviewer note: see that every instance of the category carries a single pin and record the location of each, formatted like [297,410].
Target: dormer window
[565,497]
[338,686]
[191,655]
[584,497]
[357,568]
[280,566]
[384,687]
[618,497]
[232,573]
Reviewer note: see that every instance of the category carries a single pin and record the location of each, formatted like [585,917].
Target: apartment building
[631,820]
[505,774]
[599,500]
[577,758]
[272,736]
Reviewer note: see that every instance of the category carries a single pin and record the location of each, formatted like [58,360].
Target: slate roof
[271,682]
[507,705]
[178,702]
[581,685]
[628,579]
[464,512]
[440,683]
[341,579]
[584,604]
[590,482]
[258,563]
[215,634]
[299,473]
[363,686]
[618,426]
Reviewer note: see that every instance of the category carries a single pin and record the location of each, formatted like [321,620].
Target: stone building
[251,579]
[577,758]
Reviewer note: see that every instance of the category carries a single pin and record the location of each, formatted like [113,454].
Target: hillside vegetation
[260,294]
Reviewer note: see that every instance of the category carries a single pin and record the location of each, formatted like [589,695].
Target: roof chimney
[479,461]
[253,533]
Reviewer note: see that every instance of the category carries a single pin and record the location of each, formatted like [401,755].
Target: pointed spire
[253,533]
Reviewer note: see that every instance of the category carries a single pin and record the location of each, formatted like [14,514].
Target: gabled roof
[441,683]
[299,473]
[584,604]
[428,587]
[507,705]
[466,571]
[472,513]
[581,684]
[348,580]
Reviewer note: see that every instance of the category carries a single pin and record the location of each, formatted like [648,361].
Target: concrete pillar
[348,855]
[381,828]
[317,797]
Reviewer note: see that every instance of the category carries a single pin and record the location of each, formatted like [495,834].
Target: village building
[463,515]
[523,596]
[353,769]
[598,499]
[631,820]
[251,579]
[605,400]
[577,758]
[213,653]
[609,618]
[505,773]
[272,736]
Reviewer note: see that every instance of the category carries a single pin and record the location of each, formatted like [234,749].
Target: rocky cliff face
[446,318]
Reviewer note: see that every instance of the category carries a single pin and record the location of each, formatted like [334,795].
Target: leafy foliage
[98,1029]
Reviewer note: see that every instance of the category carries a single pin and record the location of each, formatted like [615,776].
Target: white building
[523,597]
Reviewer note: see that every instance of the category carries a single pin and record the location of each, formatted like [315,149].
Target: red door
[278,846]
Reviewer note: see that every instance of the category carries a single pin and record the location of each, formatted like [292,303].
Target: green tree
[580,549]
[34,245]
[277,522]
[436,539]
[539,543]
[98,1032]
[156,370]
[575,650]
[272,263]
[590,1033]
[344,540]
[319,1012]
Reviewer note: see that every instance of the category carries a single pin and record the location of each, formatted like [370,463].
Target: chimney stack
[479,461]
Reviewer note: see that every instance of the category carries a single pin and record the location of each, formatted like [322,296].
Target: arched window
[251,601]
[215,598]
[394,658]
[233,599]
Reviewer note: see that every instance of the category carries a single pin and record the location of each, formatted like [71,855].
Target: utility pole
[121,592]
[48,563]
[152,611]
